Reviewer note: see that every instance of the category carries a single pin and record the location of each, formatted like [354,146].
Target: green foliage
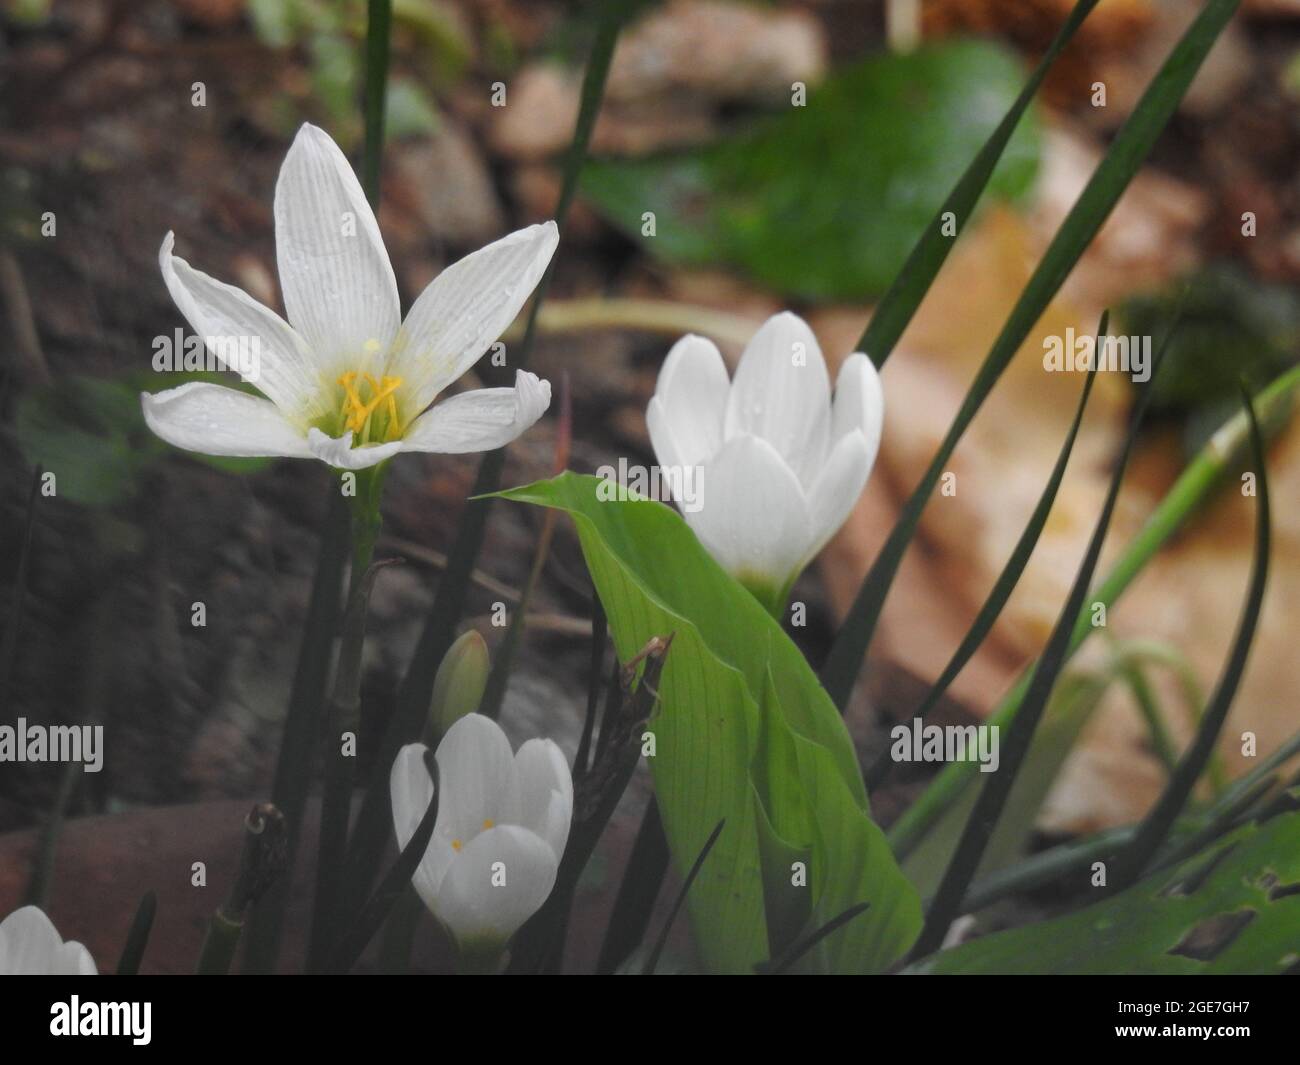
[1233,908]
[826,200]
[1233,326]
[90,432]
[744,733]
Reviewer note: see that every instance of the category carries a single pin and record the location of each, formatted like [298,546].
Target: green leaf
[84,430]
[826,200]
[1168,922]
[740,713]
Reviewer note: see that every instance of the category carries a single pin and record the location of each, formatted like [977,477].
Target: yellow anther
[456,844]
[356,412]
[488,823]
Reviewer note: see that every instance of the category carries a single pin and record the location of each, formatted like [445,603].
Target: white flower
[31,946]
[345,379]
[503,821]
[782,464]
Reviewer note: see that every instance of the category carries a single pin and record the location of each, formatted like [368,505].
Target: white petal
[480,420]
[782,393]
[859,404]
[411,790]
[30,945]
[339,452]
[836,489]
[75,960]
[282,369]
[690,400]
[476,770]
[476,905]
[544,789]
[339,290]
[754,517]
[464,310]
[221,421]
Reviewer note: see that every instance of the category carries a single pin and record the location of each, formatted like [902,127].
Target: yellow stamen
[356,411]
[488,823]
[456,844]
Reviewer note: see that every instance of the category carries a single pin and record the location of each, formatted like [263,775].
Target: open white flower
[30,945]
[782,464]
[345,379]
[502,824]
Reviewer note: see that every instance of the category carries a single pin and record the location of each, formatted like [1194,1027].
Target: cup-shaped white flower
[502,824]
[345,380]
[30,945]
[781,464]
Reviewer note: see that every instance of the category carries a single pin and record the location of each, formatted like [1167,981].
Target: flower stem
[342,717]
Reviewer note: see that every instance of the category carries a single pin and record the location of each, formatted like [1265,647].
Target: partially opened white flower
[345,379]
[30,945]
[502,824]
[782,464]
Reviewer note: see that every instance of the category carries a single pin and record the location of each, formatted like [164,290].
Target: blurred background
[750,157]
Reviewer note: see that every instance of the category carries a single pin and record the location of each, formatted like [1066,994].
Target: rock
[668,77]
[445,183]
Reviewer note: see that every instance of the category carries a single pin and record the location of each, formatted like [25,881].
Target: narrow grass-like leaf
[137,937]
[1010,575]
[595,670]
[503,660]
[652,961]
[1194,486]
[9,646]
[642,880]
[993,796]
[449,602]
[1121,163]
[298,744]
[393,886]
[899,304]
[799,949]
[1130,862]
[378,25]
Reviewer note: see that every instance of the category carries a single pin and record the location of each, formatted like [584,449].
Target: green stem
[219,945]
[343,714]
[1192,488]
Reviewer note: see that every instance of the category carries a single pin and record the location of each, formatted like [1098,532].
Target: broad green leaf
[1171,922]
[741,712]
[827,200]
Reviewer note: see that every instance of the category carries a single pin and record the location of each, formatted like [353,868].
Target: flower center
[369,408]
